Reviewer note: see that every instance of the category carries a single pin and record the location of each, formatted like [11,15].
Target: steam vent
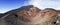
[30,15]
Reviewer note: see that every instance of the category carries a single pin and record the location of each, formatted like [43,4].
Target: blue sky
[6,5]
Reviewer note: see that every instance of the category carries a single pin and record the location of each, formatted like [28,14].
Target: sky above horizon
[6,5]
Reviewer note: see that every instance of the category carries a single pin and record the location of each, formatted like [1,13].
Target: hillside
[30,15]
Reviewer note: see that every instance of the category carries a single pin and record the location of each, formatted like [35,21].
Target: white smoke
[42,4]
[36,3]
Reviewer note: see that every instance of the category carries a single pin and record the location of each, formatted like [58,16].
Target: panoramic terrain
[30,15]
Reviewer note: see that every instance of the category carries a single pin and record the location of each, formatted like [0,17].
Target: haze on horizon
[6,5]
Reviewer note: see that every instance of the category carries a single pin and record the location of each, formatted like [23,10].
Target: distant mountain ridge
[30,15]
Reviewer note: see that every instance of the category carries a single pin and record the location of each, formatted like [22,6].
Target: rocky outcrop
[30,15]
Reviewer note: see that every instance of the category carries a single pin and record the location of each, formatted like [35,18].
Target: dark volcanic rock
[1,14]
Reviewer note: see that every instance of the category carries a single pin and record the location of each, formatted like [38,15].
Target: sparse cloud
[42,4]
[45,3]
